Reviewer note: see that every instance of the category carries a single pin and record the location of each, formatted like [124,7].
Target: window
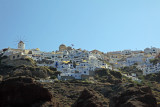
[84,71]
[17,56]
[13,57]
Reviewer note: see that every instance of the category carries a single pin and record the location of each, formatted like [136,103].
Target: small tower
[21,45]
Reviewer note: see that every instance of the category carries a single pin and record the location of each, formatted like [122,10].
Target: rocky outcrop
[31,71]
[107,75]
[18,62]
[153,77]
[88,98]
[24,92]
[134,96]
[23,70]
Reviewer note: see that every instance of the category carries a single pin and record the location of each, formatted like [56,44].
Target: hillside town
[73,63]
[81,64]
[142,59]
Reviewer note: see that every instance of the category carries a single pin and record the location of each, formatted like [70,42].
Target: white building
[150,68]
[70,62]
[151,50]
[133,60]
[126,52]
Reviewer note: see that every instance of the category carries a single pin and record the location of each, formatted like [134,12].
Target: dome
[62,47]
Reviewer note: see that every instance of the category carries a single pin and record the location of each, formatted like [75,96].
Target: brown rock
[88,98]
[22,92]
[134,96]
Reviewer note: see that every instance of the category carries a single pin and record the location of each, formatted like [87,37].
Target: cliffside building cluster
[73,63]
[81,64]
[141,59]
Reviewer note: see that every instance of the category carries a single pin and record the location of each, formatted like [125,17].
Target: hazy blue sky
[106,25]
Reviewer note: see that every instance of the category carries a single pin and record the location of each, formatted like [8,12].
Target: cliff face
[89,98]
[23,92]
[134,96]
[109,89]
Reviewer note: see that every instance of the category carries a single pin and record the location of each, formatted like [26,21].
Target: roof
[62,45]
[21,42]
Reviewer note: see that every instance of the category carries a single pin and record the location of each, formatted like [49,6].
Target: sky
[105,25]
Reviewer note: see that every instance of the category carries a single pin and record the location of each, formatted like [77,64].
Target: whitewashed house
[126,52]
[151,50]
[151,69]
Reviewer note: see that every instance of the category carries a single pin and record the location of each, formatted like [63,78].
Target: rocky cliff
[89,98]
[134,96]
[24,92]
